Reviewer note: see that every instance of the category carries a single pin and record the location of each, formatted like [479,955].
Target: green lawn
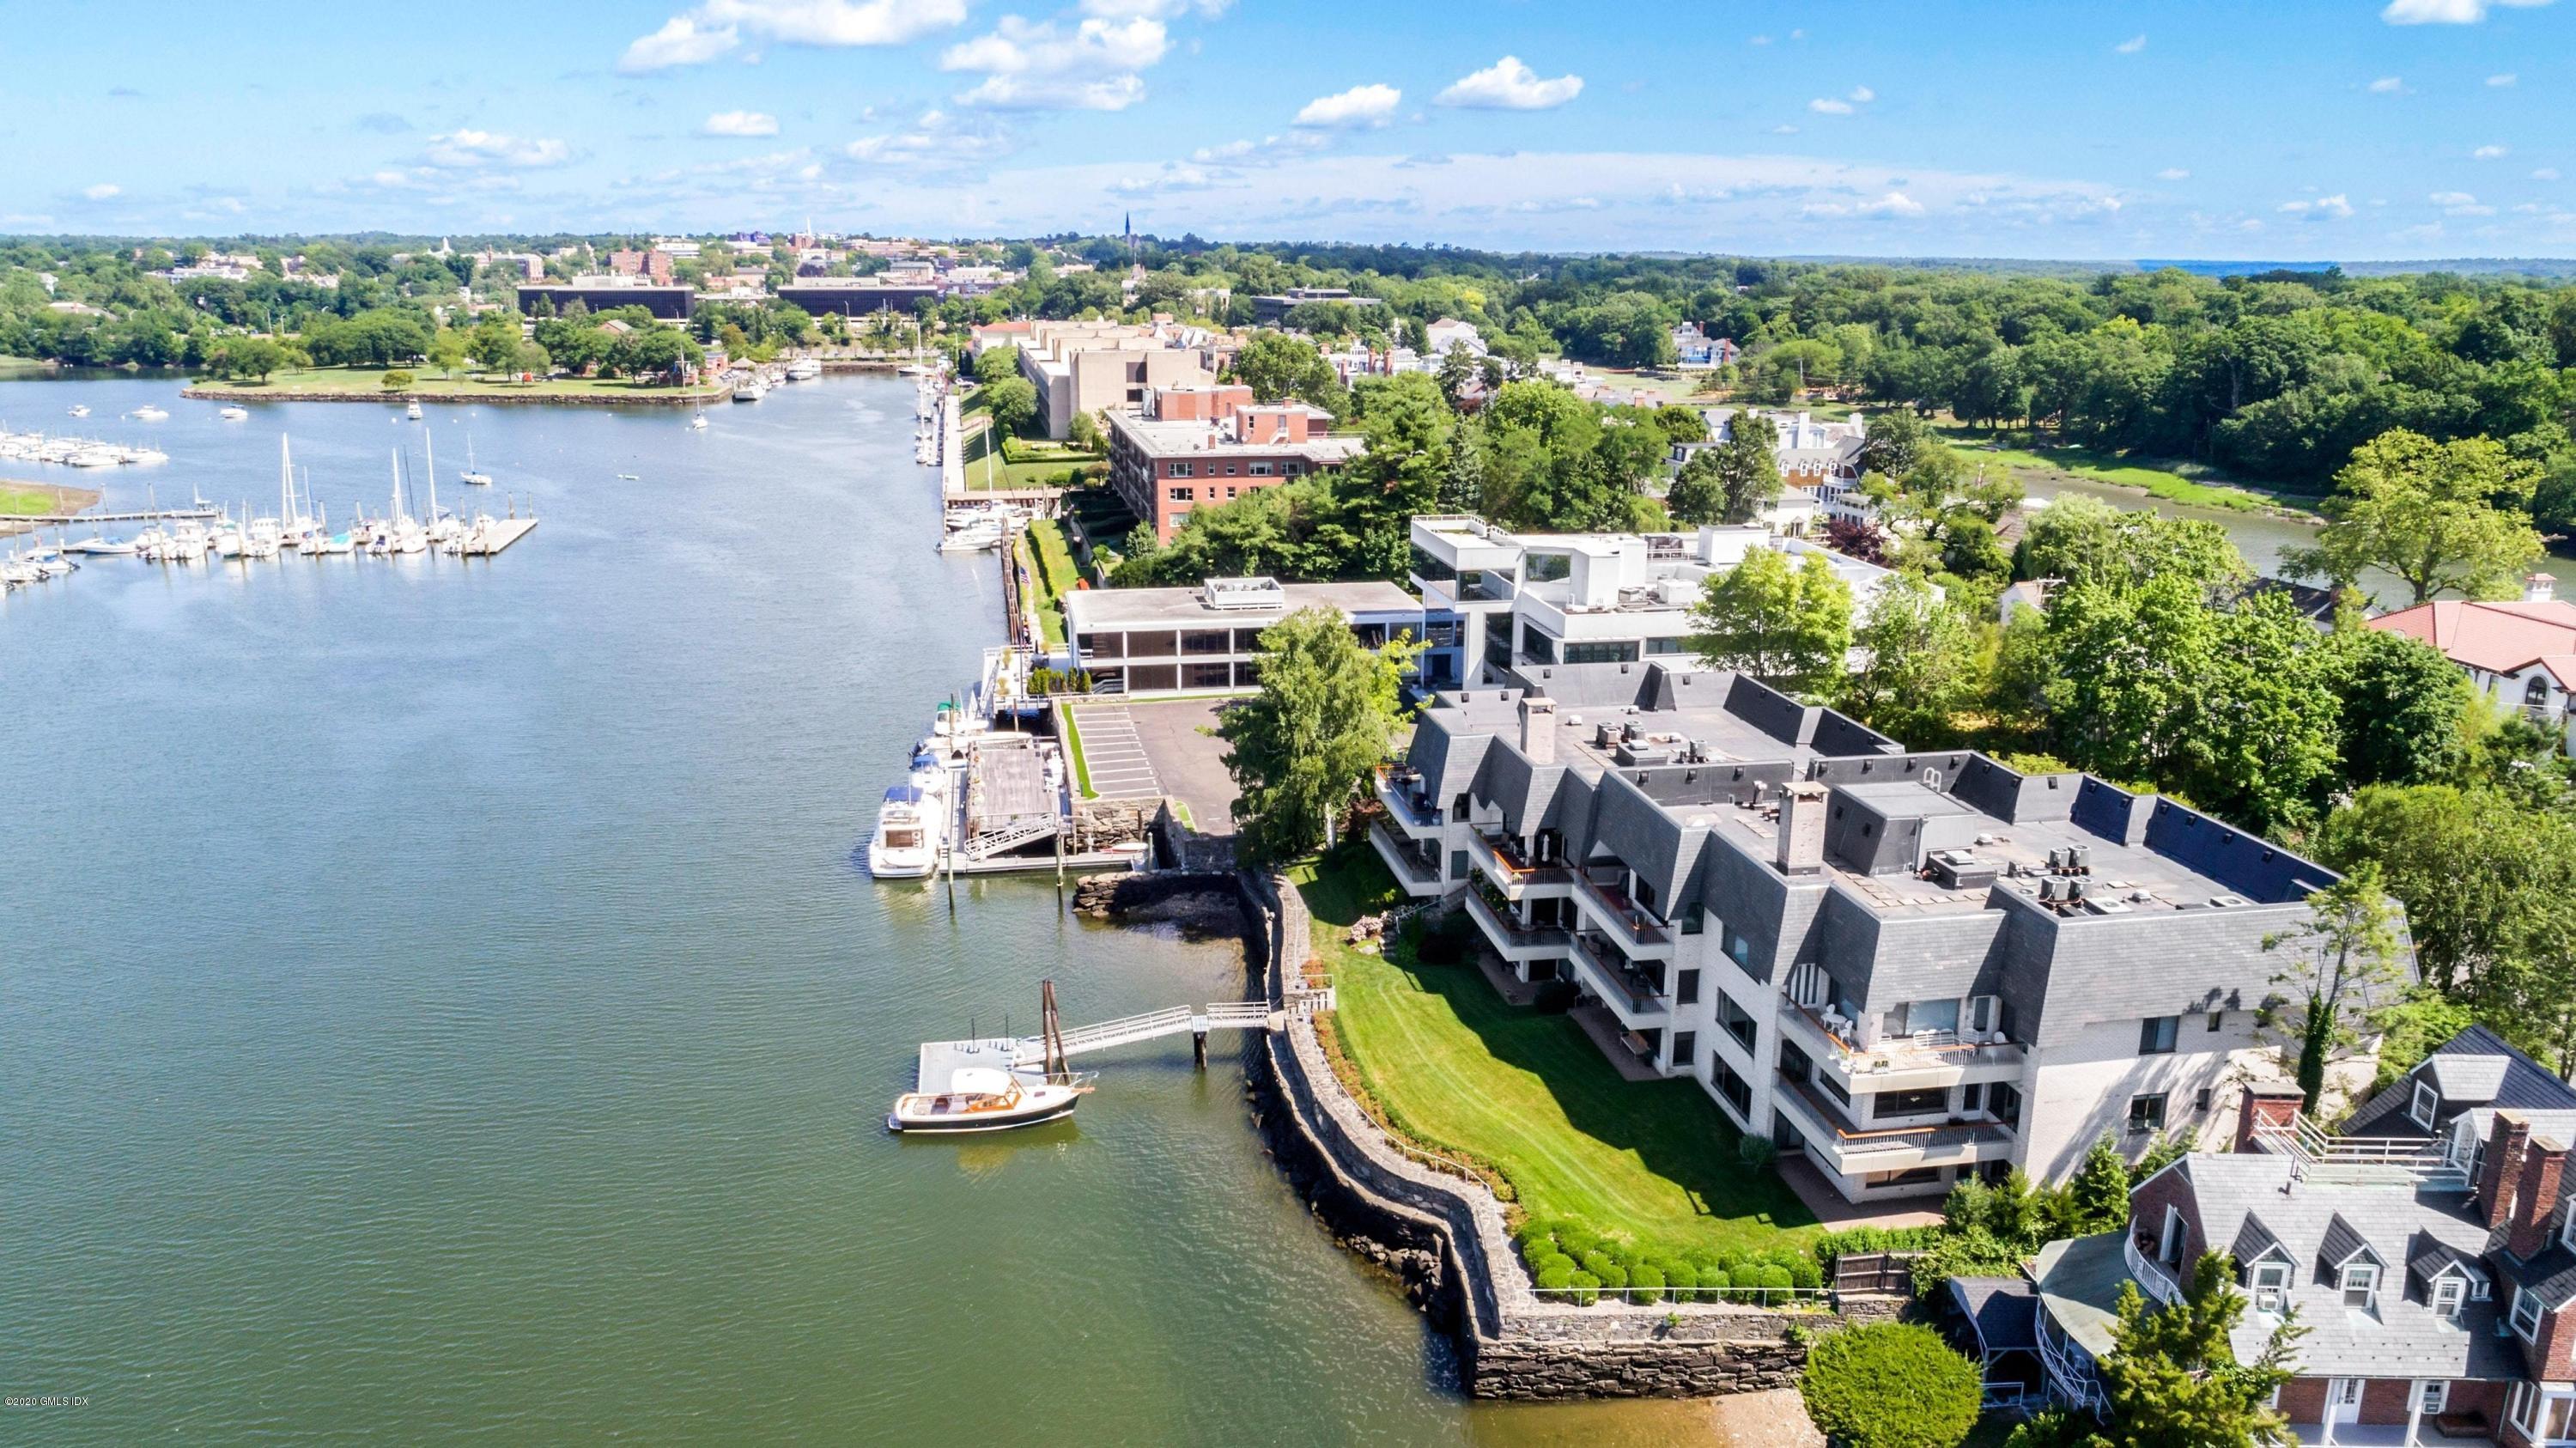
[986,471]
[426,381]
[1073,750]
[26,500]
[1530,1095]
[1050,600]
[1055,557]
[2174,481]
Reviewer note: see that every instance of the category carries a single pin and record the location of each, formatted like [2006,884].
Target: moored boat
[984,1098]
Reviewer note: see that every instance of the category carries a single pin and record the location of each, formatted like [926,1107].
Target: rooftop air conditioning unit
[2051,889]
[2100,906]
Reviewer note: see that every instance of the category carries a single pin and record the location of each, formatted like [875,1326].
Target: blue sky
[2352,129]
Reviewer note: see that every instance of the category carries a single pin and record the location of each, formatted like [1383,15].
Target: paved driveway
[1180,742]
[1112,754]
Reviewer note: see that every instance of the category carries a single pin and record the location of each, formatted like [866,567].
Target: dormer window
[2271,1285]
[2426,1102]
[2360,1284]
[2526,1314]
[2450,1291]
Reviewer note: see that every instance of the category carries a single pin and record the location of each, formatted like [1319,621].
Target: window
[2200,1100]
[2360,1283]
[2526,1314]
[2426,1101]
[1685,1047]
[1972,1097]
[2147,1113]
[1686,988]
[2432,1398]
[1260,470]
[1229,470]
[2157,1034]
[1923,1016]
[1180,495]
[2216,1019]
[2271,1285]
[2169,1246]
[1180,470]
[2449,1292]
[1910,1103]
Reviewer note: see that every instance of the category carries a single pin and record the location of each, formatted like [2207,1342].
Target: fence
[1879,1272]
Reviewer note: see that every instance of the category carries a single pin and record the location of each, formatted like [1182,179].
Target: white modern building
[1153,642]
[1494,601]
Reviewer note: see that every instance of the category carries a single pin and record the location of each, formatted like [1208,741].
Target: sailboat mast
[429,440]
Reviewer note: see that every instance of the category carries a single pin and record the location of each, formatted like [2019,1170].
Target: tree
[1922,663]
[1696,496]
[1457,372]
[1013,404]
[2440,516]
[446,350]
[2405,708]
[1277,366]
[2079,540]
[532,360]
[2340,967]
[1299,750]
[253,357]
[496,343]
[995,363]
[1747,467]
[1084,433]
[1890,1385]
[2097,1200]
[2172,1380]
[1786,626]
[1891,441]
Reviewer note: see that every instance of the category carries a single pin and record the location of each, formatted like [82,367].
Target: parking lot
[1140,750]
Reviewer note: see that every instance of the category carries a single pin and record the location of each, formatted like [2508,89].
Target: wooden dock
[499,535]
[1027,1055]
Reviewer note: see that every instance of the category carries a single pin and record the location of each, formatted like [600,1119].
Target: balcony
[1511,872]
[2154,1278]
[1420,877]
[1632,995]
[1621,918]
[1855,1150]
[1399,791]
[1511,939]
[1900,1063]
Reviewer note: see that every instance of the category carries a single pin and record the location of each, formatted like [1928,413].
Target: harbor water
[440,999]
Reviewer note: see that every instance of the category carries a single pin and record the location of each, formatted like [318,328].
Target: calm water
[437,1000]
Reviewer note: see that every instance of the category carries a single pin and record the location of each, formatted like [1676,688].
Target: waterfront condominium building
[1184,447]
[1905,966]
[1080,367]
[1496,601]
[1148,642]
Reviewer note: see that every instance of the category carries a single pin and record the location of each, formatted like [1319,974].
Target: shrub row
[1569,1262]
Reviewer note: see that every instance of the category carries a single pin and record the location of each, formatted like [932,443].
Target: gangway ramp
[1029,1054]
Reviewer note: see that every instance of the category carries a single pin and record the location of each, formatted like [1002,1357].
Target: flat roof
[1090,610]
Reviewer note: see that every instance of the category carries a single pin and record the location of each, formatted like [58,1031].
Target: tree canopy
[1301,749]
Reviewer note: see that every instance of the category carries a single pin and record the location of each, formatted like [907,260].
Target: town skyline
[2333,130]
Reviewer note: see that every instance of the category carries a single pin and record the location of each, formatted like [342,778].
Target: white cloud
[936,139]
[2388,85]
[1784,129]
[718,26]
[2545,173]
[2337,206]
[1152,9]
[1508,85]
[742,123]
[2451,198]
[1269,150]
[1894,203]
[465,150]
[1863,94]
[2488,153]
[1361,105]
[1828,106]
[1037,66]
[103,191]
[2445,12]
[2132,45]
[2173,173]
[2505,79]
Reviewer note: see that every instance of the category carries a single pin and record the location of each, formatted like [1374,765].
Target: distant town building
[1697,351]
[653,265]
[1449,332]
[1080,367]
[1188,446]
[601,293]
[856,296]
[1270,309]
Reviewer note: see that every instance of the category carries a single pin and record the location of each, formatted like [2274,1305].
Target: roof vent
[2224,901]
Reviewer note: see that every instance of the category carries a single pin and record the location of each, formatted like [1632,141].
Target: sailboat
[470,475]
[442,528]
[699,422]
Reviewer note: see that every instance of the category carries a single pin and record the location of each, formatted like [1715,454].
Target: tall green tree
[2078,540]
[2172,1379]
[1696,494]
[2407,711]
[1746,467]
[1922,663]
[1787,625]
[2340,967]
[1300,749]
[1013,404]
[2441,516]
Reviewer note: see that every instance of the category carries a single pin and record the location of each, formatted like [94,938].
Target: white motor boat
[698,423]
[986,1098]
[750,389]
[148,413]
[264,538]
[412,411]
[99,545]
[80,409]
[804,369]
[17,572]
[323,545]
[233,413]
[912,822]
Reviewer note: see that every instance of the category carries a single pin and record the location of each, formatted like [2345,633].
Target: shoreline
[66,500]
[221,392]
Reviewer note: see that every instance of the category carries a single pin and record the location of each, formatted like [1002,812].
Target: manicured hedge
[1890,1385]
[1560,1252]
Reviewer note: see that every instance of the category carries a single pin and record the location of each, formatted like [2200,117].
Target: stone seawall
[1443,1234]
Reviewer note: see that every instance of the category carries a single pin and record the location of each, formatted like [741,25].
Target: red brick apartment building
[1186,447]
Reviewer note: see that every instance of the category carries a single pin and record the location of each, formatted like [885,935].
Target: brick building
[1189,446]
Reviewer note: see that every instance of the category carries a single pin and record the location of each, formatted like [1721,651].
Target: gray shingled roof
[2343,1242]
[2429,1256]
[2468,1080]
[2255,1241]
[2476,1069]
[2404,1337]
[2550,1275]
[2004,1311]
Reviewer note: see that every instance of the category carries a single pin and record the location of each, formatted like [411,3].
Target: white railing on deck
[2153,1276]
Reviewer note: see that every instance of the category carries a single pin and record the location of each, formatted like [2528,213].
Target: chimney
[2539,588]
[1538,729]
[2505,1140]
[2542,1166]
[1801,840]
[2266,1105]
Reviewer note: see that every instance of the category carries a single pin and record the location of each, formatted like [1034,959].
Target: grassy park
[2173,480]
[1528,1096]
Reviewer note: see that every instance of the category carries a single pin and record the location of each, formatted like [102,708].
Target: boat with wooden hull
[984,1098]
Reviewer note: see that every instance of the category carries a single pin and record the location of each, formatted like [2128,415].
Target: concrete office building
[1159,641]
[1080,367]
[602,293]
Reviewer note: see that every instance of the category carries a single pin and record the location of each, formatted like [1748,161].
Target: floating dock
[1026,1056]
[500,533]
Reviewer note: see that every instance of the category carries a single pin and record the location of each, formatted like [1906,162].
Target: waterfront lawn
[1529,1096]
[26,500]
[1032,553]
[428,382]
[988,471]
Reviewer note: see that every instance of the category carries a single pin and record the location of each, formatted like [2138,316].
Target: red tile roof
[2497,637]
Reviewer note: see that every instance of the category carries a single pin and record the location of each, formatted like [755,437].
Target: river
[440,1001]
